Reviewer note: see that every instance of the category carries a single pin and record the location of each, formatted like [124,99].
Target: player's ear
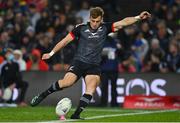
[102,19]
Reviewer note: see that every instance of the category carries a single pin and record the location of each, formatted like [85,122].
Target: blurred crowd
[32,27]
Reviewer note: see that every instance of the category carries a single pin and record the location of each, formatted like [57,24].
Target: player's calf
[53,88]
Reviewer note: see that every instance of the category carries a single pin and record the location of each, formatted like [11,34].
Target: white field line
[112,110]
[114,115]
[129,114]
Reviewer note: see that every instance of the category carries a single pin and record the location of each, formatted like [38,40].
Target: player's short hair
[96,12]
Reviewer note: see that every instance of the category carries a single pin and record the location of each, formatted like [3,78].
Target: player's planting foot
[76,117]
[36,100]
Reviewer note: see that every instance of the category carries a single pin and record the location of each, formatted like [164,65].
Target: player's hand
[46,56]
[145,15]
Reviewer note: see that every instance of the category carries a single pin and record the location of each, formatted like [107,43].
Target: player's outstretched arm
[131,20]
[58,46]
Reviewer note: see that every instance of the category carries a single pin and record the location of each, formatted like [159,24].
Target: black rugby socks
[53,88]
[84,101]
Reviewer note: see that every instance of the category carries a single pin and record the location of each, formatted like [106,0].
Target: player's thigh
[92,81]
[68,80]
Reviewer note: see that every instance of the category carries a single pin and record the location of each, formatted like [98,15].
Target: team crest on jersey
[71,68]
[100,29]
[93,35]
[87,30]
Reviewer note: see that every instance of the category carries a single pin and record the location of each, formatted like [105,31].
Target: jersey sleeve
[75,33]
[109,26]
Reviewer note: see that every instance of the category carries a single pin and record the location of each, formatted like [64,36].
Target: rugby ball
[63,106]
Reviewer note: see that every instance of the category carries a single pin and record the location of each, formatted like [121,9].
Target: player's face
[95,22]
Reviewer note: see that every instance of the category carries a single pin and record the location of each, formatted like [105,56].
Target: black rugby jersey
[91,42]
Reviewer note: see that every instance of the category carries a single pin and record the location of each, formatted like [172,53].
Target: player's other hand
[144,15]
[46,56]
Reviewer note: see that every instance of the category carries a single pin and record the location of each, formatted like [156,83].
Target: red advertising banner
[151,102]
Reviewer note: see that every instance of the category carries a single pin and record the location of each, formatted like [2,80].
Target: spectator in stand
[157,9]
[171,62]
[44,43]
[44,23]
[10,3]
[30,31]
[163,35]
[18,34]
[154,56]
[146,31]
[15,34]
[19,18]
[34,15]
[127,63]
[18,58]
[171,20]
[9,16]
[127,36]
[26,43]
[25,54]
[20,24]
[69,11]
[140,48]
[59,23]
[153,64]
[35,62]
[23,6]
[28,39]
[40,4]
[84,11]
[5,41]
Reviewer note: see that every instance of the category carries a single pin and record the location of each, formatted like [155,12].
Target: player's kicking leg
[68,80]
[92,81]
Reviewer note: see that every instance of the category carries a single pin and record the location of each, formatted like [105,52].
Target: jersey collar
[92,30]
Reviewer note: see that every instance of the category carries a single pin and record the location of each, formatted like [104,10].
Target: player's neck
[91,29]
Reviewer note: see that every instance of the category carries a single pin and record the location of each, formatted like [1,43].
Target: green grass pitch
[92,114]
